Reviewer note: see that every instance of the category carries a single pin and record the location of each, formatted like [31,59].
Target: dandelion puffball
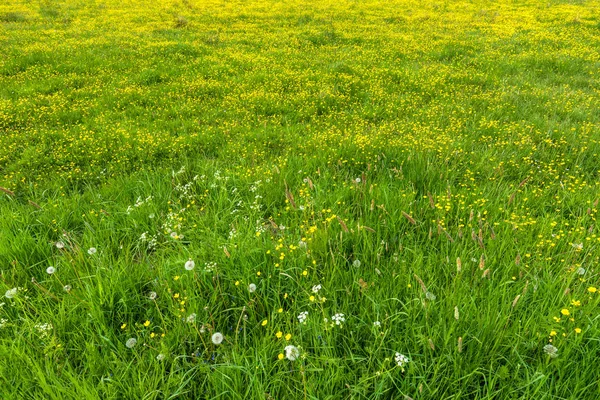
[190,265]
[92,251]
[10,293]
[252,288]
[291,352]
[130,343]
[50,270]
[217,338]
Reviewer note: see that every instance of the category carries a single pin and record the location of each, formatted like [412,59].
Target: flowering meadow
[264,199]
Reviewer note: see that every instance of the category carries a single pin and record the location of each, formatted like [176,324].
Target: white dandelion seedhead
[357,180]
[92,251]
[130,343]
[50,270]
[191,318]
[252,288]
[152,295]
[190,265]
[291,352]
[430,296]
[356,263]
[67,288]
[551,350]
[59,245]
[580,271]
[11,293]
[217,338]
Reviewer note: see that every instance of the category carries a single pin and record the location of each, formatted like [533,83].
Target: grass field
[270,199]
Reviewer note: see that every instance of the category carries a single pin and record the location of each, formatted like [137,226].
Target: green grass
[452,148]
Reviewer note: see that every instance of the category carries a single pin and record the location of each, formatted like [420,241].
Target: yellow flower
[152,334]
[304,273]
[577,330]
[553,333]
[312,298]
[237,283]
[258,273]
[176,296]
[176,278]
[147,323]
[279,335]
[280,310]
[592,289]
[280,356]
[565,312]
[288,336]
[123,326]
[264,323]
[556,319]
[575,303]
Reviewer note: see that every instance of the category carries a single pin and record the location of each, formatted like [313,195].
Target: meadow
[263,199]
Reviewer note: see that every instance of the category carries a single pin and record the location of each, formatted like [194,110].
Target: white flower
[338,318]
[160,357]
[376,324]
[59,245]
[580,271]
[316,288]
[303,316]
[217,338]
[152,295]
[401,360]
[10,293]
[130,343]
[191,318]
[50,270]
[92,251]
[190,265]
[357,180]
[67,288]
[291,352]
[551,350]
[252,288]
[3,322]
[356,263]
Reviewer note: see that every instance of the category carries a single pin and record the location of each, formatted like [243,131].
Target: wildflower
[551,350]
[356,263]
[59,245]
[147,323]
[130,343]
[288,337]
[50,270]
[123,326]
[10,293]
[311,298]
[252,288]
[160,357]
[190,265]
[304,273]
[264,323]
[174,235]
[338,318]
[401,360]
[191,318]
[357,180]
[553,333]
[303,316]
[576,303]
[152,295]
[565,312]
[280,356]
[291,352]
[316,288]
[280,310]
[92,251]
[577,330]
[279,334]
[217,338]
[592,289]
